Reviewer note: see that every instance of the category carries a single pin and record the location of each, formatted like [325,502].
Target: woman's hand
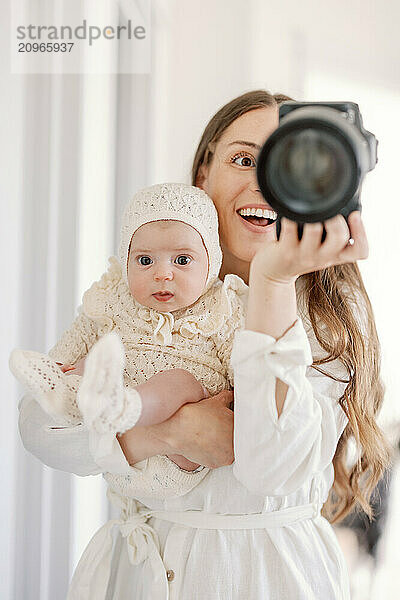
[202,432]
[284,260]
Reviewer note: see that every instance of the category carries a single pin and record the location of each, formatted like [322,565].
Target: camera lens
[308,165]
[310,169]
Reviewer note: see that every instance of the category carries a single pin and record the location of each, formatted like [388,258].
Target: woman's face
[230,180]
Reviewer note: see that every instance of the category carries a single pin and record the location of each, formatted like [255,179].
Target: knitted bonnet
[175,202]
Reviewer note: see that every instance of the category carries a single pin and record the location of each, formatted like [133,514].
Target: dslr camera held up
[312,166]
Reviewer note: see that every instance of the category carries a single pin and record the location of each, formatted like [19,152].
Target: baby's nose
[163,273]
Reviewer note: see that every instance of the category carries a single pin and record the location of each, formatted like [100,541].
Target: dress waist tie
[92,573]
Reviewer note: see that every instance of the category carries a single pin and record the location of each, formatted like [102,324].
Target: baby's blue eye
[183,260]
[145,261]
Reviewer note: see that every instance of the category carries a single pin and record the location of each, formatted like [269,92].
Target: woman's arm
[203,432]
[67,448]
[272,309]
[290,428]
[276,452]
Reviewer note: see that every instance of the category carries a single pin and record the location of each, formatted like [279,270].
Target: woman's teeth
[263,213]
[262,217]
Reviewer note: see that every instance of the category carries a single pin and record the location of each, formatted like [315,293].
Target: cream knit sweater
[198,339]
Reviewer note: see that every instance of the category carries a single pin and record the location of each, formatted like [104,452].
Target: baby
[167,309]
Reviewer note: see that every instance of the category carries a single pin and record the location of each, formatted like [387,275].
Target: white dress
[252,529]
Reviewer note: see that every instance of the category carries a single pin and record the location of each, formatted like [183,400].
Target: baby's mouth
[258,216]
[163,296]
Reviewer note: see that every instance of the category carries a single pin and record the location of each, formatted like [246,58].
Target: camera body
[312,166]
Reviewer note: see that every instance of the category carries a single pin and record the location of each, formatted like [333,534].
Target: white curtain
[70,163]
[74,148]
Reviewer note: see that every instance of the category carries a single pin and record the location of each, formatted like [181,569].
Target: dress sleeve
[274,455]
[156,477]
[64,448]
[71,449]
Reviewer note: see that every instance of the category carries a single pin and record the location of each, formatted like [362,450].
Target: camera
[312,166]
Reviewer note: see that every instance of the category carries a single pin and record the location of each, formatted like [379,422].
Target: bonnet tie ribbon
[164,328]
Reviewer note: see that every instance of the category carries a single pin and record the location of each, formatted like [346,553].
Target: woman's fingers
[205,392]
[339,232]
[337,236]
[336,249]
[360,248]
[225,397]
[288,232]
[311,238]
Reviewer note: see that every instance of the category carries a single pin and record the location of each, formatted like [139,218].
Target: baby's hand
[183,462]
[65,368]
[77,369]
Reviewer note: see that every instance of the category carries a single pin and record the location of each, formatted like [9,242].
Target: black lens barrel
[311,167]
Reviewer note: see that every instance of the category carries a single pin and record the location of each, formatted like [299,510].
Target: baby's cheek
[138,286]
[194,288]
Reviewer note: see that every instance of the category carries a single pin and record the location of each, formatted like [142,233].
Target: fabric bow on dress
[91,576]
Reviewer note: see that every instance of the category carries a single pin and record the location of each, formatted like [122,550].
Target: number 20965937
[45,47]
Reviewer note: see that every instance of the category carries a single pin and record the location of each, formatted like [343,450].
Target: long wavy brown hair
[331,296]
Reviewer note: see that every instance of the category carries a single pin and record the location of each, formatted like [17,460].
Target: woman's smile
[257,218]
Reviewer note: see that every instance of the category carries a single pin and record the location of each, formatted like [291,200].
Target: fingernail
[205,392]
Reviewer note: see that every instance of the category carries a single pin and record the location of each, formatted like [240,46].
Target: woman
[323,284]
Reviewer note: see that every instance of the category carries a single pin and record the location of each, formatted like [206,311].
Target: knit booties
[104,401]
[49,386]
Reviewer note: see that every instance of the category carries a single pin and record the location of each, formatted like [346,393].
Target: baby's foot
[105,403]
[50,387]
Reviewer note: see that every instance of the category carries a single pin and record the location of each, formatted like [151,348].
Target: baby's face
[167,265]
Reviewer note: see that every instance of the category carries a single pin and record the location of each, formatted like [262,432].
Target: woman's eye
[183,260]
[145,261]
[244,160]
